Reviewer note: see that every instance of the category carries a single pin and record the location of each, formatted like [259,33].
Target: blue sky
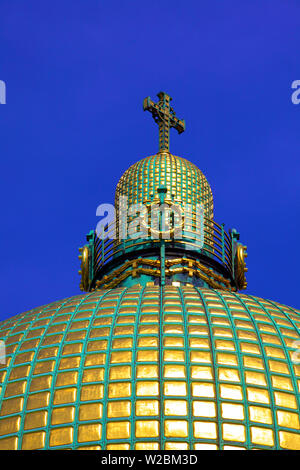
[77,73]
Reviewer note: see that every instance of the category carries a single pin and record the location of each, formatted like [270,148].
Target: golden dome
[145,368]
[184,181]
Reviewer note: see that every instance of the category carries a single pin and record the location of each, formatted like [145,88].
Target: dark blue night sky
[77,73]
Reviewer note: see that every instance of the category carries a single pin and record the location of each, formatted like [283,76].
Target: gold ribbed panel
[134,369]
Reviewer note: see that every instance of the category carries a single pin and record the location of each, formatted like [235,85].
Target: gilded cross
[164,115]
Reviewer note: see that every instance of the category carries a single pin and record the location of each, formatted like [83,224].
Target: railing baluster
[223,247]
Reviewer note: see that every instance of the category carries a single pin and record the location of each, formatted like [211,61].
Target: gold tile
[15,388]
[259,414]
[19,372]
[205,409]
[119,390]
[31,344]
[234,448]
[40,383]
[288,419]
[202,389]
[63,415]
[147,356]
[277,366]
[176,446]
[148,429]
[253,362]
[10,425]
[90,448]
[118,446]
[147,446]
[146,407]
[125,319]
[97,359]
[287,400]
[9,443]
[34,440]
[146,371]
[200,356]
[270,339]
[90,411]
[175,407]
[250,348]
[234,432]
[289,440]
[93,375]
[45,353]
[255,378]
[11,405]
[2,376]
[61,436]
[118,409]
[202,446]
[56,328]
[205,430]
[89,432]
[225,344]
[44,367]
[201,372]
[120,356]
[147,330]
[91,392]
[122,343]
[258,395]
[24,357]
[118,430]
[227,359]
[65,395]
[66,378]
[173,342]
[148,388]
[174,371]
[120,372]
[243,334]
[230,375]
[74,348]
[232,392]
[53,339]
[232,411]
[198,330]
[274,352]
[177,389]
[37,419]
[94,333]
[199,342]
[262,436]
[284,383]
[218,331]
[69,362]
[173,329]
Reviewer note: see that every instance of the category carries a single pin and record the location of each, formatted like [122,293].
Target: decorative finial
[165,117]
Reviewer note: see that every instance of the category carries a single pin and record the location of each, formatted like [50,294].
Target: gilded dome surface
[184,181]
[151,368]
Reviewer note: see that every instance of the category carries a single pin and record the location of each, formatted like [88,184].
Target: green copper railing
[217,244]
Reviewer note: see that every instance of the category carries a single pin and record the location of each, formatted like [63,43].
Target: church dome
[131,368]
[161,352]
